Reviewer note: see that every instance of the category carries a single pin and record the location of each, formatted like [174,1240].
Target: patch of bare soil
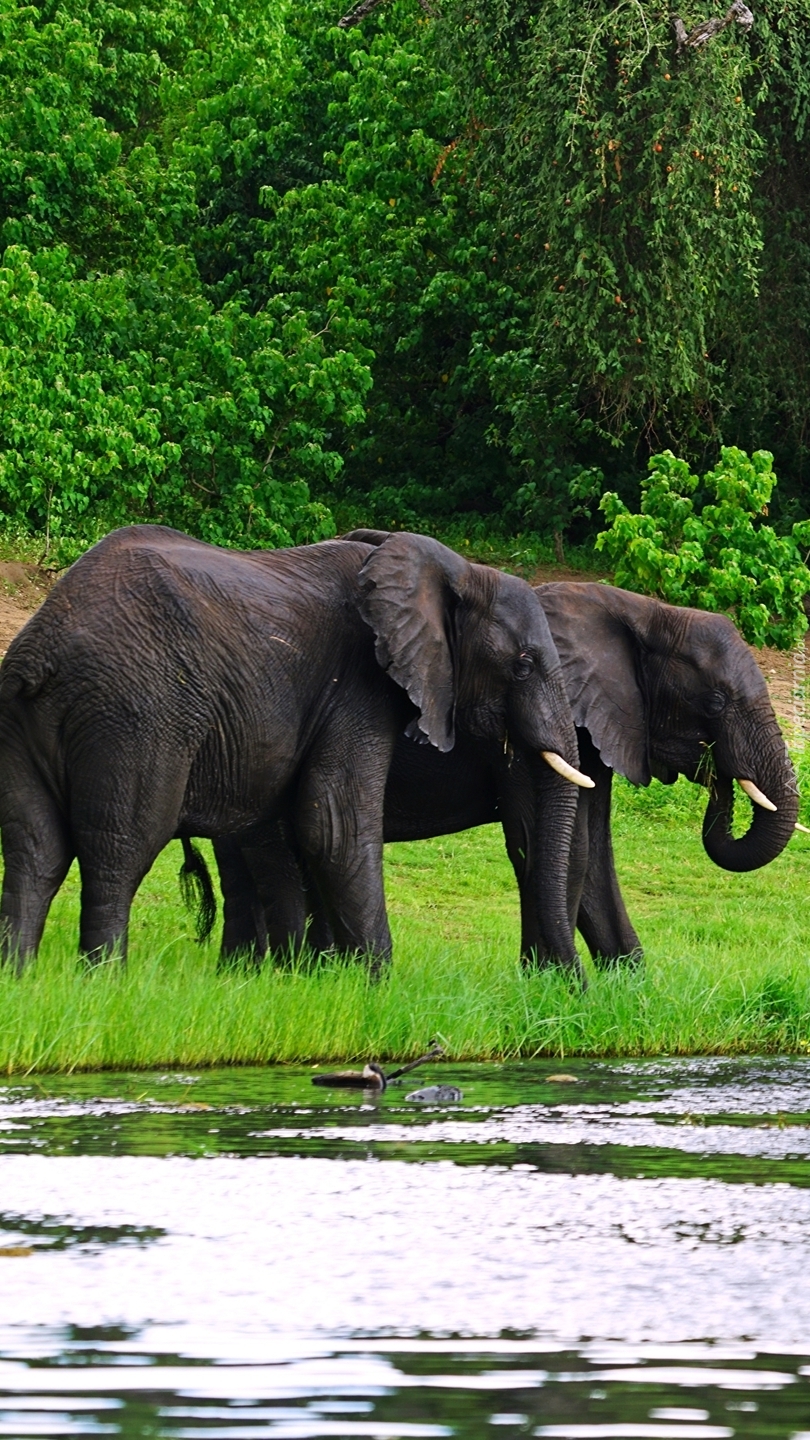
[786,674]
[22,589]
[551,570]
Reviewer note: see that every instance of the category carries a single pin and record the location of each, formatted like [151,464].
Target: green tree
[654,206]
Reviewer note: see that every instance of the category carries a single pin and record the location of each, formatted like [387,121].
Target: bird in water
[371,1077]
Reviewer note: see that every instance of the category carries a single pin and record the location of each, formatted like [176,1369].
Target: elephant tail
[197,890]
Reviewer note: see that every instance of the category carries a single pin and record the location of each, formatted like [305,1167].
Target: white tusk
[567,771]
[756,795]
[803,828]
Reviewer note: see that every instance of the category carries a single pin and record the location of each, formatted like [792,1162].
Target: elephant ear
[597,630]
[410,587]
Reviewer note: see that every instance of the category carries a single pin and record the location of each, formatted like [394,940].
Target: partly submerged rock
[436,1095]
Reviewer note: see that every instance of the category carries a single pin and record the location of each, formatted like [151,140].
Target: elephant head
[665,691]
[472,649]
[470,646]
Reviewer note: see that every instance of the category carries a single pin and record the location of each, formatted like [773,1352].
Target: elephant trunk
[538,811]
[541,719]
[770,829]
[554,834]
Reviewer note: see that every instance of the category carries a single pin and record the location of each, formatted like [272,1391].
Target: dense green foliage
[719,556]
[656,206]
[219,231]
[130,388]
[260,275]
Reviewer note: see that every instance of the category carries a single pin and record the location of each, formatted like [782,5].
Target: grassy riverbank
[728,968]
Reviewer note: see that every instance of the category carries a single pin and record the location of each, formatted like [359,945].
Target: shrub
[716,554]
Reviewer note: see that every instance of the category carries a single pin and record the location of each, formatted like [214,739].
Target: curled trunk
[766,836]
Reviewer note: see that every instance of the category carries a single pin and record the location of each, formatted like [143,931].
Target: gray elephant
[167,687]
[655,690]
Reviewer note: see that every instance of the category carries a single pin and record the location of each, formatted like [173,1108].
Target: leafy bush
[131,389]
[114,413]
[714,556]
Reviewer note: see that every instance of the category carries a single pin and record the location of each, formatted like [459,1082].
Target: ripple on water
[227,1254]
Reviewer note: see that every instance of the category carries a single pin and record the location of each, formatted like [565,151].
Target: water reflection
[396,1392]
[237,1254]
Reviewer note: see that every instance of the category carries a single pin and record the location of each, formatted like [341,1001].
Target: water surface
[238,1254]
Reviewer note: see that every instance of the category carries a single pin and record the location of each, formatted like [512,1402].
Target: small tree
[719,556]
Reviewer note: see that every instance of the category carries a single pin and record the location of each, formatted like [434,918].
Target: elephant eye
[715,702]
[523,667]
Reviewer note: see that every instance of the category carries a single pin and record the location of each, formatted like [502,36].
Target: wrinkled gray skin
[167,687]
[655,691]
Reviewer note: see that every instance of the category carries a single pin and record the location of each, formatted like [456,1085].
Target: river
[235,1254]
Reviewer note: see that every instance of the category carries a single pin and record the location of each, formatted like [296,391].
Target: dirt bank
[23,587]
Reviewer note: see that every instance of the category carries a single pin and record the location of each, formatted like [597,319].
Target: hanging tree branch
[358,13]
[353,17]
[707,29]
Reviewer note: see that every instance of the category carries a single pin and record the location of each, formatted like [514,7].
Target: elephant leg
[37,854]
[121,820]
[338,824]
[533,949]
[111,873]
[602,918]
[270,902]
[538,813]
[517,806]
[244,933]
[280,890]
[295,913]
[320,935]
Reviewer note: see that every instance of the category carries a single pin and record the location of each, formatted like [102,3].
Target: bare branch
[353,17]
[707,29]
[358,13]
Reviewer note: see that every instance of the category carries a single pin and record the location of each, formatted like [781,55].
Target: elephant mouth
[703,772]
[693,758]
[774,801]
[482,721]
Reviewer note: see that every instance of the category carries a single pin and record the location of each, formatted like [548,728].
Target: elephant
[661,691]
[656,691]
[168,687]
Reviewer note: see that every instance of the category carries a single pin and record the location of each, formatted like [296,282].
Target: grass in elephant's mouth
[728,968]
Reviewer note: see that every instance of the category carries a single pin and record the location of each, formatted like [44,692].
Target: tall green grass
[728,968]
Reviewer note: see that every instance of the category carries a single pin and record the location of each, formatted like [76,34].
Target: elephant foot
[97,955]
[574,969]
[633,960]
[243,958]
